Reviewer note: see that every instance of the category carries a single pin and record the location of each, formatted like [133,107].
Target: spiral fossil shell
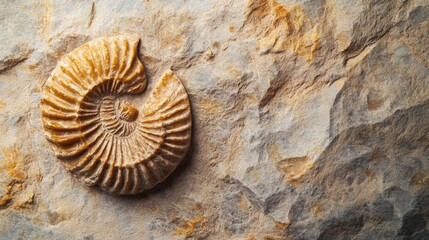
[100,136]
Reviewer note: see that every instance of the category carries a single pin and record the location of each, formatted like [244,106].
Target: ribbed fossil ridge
[107,141]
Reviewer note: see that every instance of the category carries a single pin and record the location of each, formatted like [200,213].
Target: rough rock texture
[311,119]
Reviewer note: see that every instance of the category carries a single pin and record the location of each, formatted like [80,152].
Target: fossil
[99,134]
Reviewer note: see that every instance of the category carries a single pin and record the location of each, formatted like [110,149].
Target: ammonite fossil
[101,136]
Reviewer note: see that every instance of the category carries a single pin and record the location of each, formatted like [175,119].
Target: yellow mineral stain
[171,39]
[233,72]
[210,105]
[282,225]
[189,226]
[269,238]
[339,83]
[307,44]
[280,28]
[18,186]
[208,55]
[298,166]
[274,152]
[243,203]
[13,163]
[8,195]
[2,104]
[343,41]
[25,203]
[294,168]
[12,160]
[251,237]
[231,28]
[38,177]
[5,199]
[317,210]
[252,98]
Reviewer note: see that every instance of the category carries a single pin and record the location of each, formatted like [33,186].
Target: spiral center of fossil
[127,111]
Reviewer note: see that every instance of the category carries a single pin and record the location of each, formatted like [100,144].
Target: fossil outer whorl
[108,141]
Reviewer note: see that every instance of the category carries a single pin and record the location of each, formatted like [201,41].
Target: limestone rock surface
[310,119]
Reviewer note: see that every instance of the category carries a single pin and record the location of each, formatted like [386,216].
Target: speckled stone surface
[310,120]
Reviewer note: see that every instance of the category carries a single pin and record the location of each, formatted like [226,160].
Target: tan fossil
[102,137]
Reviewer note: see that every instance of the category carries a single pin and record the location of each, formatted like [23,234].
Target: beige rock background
[310,119]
